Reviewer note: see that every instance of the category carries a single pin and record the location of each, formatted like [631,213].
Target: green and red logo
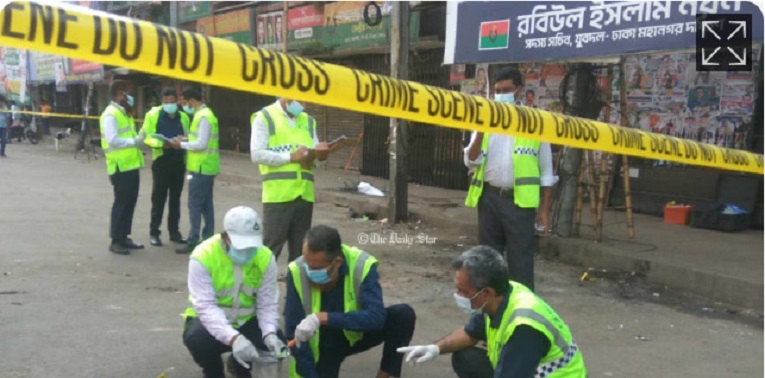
[494,35]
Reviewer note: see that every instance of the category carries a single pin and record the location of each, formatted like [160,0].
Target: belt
[503,192]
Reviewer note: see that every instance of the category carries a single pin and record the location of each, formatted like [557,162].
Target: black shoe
[236,370]
[184,250]
[155,241]
[131,245]
[178,238]
[119,248]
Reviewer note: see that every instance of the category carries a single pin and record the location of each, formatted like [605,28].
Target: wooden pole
[591,188]
[625,160]
[353,153]
[604,163]
[579,195]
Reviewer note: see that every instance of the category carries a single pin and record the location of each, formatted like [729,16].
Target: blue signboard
[523,31]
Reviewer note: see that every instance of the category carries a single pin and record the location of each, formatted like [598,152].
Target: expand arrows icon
[707,60]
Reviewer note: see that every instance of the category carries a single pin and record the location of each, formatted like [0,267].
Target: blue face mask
[241,256]
[294,108]
[130,101]
[170,108]
[318,276]
[188,109]
[505,97]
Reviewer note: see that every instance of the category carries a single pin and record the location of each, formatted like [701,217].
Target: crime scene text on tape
[57,115]
[85,34]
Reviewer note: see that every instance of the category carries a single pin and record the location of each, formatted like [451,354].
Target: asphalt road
[69,308]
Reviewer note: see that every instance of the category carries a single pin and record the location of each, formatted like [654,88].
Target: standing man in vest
[509,175]
[524,335]
[234,298]
[123,162]
[335,309]
[284,143]
[168,167]
[203,164]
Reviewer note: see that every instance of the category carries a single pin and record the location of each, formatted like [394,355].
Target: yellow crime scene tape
[52,115]
[85,34]
[57,115]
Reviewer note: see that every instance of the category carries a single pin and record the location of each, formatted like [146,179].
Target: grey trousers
[286,222]
[201,205]
[508,228]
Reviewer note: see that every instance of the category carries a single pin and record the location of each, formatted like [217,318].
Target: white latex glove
[274,344]
[420,353]
[244,351]
[306,329]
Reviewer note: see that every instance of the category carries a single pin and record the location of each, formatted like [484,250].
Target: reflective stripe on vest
[290,181]
[526,181]
[545,370]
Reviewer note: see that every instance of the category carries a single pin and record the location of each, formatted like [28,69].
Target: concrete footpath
[725,267]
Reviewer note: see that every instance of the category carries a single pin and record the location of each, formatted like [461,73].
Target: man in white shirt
[120,143]
[506,200]
[284,143]
[234,298]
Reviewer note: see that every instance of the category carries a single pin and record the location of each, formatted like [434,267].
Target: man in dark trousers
[202,163]
[513,178]
[284,143]
[168,166]
[335,309]
[120,142]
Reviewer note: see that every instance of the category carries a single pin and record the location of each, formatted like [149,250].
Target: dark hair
[324,239]
[192,93]
[117,87]
[700,87]
[485,268]
[530,91]
[510,74]
[169,92]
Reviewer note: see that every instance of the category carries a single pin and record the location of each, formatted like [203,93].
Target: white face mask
[505,97]
[464,304]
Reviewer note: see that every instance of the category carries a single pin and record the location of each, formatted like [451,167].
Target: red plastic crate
[678,214]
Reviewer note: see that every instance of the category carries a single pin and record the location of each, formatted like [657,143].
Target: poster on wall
[269,30]
[478,85]
[542,86]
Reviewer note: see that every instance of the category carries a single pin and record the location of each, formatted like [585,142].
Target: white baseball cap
[242,224]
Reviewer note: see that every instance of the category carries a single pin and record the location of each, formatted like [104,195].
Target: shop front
[655,41]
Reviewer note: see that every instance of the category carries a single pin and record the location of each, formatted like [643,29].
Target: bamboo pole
[591,187]
[625,160]
[579,195]
[604,161]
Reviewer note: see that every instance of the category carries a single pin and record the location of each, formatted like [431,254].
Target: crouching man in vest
[524,335]
[335,309]
[234,298]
